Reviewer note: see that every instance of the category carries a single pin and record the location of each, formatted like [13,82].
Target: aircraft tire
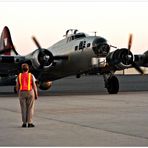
[113,85]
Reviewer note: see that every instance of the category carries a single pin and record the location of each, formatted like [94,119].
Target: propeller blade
[130,41]
[36,42]
[113,46]
[137,68]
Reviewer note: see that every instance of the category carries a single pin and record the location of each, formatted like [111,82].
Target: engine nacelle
[100,47]
[120,58]
[45,85]
[41,59]
[142,59]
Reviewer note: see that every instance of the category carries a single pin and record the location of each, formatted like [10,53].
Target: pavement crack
[96,128]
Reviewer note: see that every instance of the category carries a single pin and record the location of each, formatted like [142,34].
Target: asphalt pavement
[79,115]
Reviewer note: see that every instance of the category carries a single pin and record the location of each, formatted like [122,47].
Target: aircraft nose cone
[100,46]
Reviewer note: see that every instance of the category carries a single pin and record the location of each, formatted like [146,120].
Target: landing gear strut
[111,83]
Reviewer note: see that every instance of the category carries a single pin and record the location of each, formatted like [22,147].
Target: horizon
[48,21]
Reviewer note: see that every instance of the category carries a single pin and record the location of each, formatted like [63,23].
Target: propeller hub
[126,56]
[45,57]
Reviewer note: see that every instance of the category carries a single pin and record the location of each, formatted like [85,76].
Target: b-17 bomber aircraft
[76,54]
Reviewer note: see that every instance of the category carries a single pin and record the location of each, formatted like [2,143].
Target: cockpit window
[80,35]
[76,36]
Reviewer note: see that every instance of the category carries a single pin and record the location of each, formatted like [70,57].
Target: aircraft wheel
[113,85]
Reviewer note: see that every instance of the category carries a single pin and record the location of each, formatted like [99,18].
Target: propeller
[36,42]
[137,68]
[130,40]
[38,45]
[40,48]
[45,56]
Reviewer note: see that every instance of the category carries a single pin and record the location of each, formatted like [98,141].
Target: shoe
[24,125]
[31,125]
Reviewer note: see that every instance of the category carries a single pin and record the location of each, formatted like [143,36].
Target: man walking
[27,92]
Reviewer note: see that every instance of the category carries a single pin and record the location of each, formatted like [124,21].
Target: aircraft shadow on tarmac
[89,85]
[55,93]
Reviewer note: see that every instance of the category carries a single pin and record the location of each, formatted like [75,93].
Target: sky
[48,20]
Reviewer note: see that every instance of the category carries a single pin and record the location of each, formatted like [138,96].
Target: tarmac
[77,117]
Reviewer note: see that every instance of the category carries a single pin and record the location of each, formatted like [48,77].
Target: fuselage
[80,52]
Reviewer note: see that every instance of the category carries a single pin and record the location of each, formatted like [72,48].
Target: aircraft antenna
[95,32]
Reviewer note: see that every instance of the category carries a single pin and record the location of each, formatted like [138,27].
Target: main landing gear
[111,83]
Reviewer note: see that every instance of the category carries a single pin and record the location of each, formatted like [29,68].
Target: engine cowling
[100,47]
[144,58]
[41,59]
[45,85]
[120,58]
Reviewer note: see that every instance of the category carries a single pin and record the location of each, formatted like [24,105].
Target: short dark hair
[25,67]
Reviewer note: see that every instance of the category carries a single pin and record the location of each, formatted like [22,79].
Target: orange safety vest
[25,81]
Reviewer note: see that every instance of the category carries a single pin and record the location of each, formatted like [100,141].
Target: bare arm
[17,85]
[35,88]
